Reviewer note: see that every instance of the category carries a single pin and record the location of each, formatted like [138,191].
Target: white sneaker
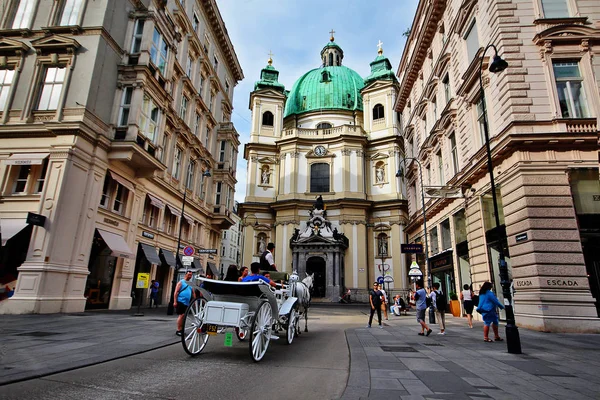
[380,326]
[441,333]
[368,326]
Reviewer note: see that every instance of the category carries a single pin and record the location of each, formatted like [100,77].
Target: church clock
[320,151]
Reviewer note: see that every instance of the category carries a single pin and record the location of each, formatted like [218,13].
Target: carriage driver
[256,276]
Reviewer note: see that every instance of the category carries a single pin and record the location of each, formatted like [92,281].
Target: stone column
[329,269]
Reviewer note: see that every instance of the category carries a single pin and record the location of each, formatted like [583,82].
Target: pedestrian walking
[375,300]
[154,285]
[487,308]
[182,299]
[384,303]
[467,298]
[439,303]
[421,304]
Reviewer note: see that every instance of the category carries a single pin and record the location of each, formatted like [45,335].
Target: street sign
[187,260]
[414,270]
[388,279]
[412,248]
[188,251]
[380,280]
[207,251]
[142,281]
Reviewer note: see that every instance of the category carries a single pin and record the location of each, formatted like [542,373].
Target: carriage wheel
[260,333]
[193,338]
[292,325]
[241,333]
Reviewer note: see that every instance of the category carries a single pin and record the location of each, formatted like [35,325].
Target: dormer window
[325,76]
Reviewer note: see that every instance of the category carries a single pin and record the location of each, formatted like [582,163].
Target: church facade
[322,164]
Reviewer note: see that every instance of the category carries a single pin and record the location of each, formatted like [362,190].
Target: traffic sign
[414,270]
[380,280]
[187,260]
[188,251]
[388,279]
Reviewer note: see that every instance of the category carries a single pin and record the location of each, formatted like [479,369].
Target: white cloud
[296,31]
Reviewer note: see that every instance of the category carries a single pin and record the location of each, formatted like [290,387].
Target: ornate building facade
[113,114]
[333,136]
[543,122]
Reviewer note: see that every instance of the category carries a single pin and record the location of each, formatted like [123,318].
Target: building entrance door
[316,265]
[102,272]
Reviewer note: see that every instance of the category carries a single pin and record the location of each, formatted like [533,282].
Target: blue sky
[295,32]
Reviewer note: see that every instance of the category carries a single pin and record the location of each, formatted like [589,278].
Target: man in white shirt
[267,263]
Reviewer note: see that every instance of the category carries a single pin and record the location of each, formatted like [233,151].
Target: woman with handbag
[487,308]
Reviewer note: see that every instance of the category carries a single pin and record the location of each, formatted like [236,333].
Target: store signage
[520,237]
[142,281]
[440,262]
[111,222]
[207,251]
[413,248]
[148,235]
[36,219]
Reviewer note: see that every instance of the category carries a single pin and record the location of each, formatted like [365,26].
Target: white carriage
[248,308]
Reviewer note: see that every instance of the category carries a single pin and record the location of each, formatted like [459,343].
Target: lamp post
[513,341]
[170,307]
[382,255]
[244,233]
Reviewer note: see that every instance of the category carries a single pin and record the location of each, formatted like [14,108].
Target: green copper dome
[326,88]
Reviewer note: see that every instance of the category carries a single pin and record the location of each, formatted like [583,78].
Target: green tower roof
[326,88]
[268,79]
[381,70]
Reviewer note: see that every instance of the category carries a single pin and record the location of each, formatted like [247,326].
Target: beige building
[543,122]
[334,134]
[112,113]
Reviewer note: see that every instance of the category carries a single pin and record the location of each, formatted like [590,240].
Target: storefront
[442,271]
[107,248]
[16,234]
[146,260]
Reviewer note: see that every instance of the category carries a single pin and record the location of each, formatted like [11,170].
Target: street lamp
[513,341]
[244,232]
[382,254]
[205,174]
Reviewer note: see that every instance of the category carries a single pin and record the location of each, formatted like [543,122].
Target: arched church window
[382,245]
[267,118]
[324,125]
[325,76]
[378,111]
[330,59]
[337,60]
[319,178]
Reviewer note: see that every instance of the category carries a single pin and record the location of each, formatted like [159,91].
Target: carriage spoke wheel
[292,325]
[193,338]
[260,332]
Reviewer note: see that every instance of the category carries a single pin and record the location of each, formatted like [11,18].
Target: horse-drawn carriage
[251,309]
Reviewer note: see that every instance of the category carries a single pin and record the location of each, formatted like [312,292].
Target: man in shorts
[421,300]
[184,295]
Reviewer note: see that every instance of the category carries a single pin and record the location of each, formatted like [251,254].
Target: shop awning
[189,219]
[122,181]
[150,254]
[117,244]
[168,257]
[9,227]
[174,211]
[213,268]
[156,202]
[198,266]
[27,159]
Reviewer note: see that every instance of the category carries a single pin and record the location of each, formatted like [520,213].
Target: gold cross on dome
[270,57]
[332,32]
[379,49]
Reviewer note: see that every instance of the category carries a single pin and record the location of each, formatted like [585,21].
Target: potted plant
[454,304]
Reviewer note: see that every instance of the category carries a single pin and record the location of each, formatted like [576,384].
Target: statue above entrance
[318,223]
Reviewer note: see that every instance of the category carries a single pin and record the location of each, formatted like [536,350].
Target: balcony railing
[327,132]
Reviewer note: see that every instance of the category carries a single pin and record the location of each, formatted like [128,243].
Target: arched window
[378,111]
[319,178]
[382,245]
[267,118]
[324,125]
[325,76]
[330,59]
[337,60]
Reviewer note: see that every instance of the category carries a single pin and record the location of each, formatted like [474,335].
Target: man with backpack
[439,302]
[266,259]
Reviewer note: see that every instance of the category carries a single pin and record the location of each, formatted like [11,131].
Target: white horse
[301,290]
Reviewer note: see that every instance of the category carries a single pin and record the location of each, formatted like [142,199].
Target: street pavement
[390,363]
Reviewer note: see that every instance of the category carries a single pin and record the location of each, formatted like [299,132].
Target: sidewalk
[396,363]
[37,345]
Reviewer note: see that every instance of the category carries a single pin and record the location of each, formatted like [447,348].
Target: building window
[159,51]
[378,112]
[54,80]
[222,151]
[267,118]
[170,222]
[202,194]
[440,162]
[119,203]
[319,177]
[435,246]
[188,67]
[195,23]
[481,120]
[555,8]
[125,106]
[227,88]
[446,237]
[177,163]
[150,216]
[197,125]
[6,79]
[324,125]
[149,116]
[216,65]
[138,31]
[23,14]
[183,108]
[39,186]
[189,183]
[218,193]
[569,84]
[228,198]
[434,109]
[382,245]
[22,177]
[447,92]
[114,195]
[472,41]
[70,12]
[207,138]
[454,152]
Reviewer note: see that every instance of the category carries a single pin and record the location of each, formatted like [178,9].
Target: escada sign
[561,282]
